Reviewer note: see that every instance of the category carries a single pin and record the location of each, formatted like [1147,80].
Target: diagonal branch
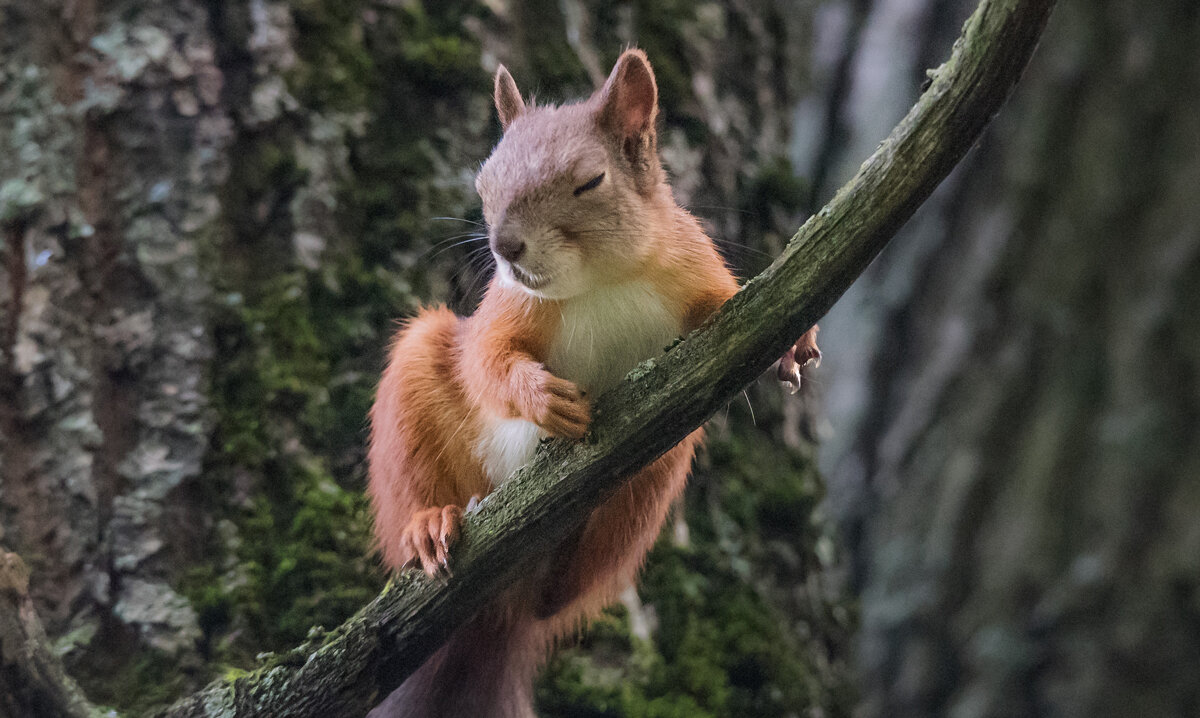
[663,400]
[32,679]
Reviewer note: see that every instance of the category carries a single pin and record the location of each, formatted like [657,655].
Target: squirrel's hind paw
[803,353]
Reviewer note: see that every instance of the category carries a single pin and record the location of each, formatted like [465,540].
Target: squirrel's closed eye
[593,183]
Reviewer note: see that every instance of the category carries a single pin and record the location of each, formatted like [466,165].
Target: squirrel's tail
[485,670]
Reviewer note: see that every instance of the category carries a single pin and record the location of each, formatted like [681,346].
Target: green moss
[774,186]
[335,71]
[551,69]
[731,638]
[300,349]
[284,397]
[149,680]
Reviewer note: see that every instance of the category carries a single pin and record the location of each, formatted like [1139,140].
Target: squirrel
[597,269]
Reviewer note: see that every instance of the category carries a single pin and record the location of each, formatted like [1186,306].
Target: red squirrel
[597,268]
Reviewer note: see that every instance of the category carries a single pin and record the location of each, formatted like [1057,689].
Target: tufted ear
[629,99]
[509,104]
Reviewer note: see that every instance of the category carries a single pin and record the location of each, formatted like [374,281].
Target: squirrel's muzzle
[508,245]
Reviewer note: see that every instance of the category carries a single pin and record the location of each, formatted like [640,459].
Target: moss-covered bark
[114,144]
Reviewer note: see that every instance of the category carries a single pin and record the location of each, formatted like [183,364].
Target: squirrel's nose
[509,246]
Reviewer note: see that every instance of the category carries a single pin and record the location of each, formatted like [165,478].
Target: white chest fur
[606,332]
[602,335]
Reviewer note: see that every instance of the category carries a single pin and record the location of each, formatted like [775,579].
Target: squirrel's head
[569,192]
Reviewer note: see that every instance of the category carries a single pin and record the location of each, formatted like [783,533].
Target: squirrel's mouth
[529,279]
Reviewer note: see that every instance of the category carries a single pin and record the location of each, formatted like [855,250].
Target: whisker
[574,326]
[736,246]
[480,256]
[690,207]
[472,233]
[477,256]
[469,240]
[475,273]
[478,266]
[438,248]
[729,244]
[480,280]
[460,219]
[751,407]
[451,238]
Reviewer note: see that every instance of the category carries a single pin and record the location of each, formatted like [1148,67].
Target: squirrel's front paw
[560,409]
[802,353]
[428,537]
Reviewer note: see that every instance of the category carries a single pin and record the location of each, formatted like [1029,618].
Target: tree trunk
[114,147]
[1015,386]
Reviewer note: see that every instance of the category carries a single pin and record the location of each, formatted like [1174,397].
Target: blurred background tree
[212,212]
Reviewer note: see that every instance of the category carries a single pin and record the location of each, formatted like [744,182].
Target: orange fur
[603,269]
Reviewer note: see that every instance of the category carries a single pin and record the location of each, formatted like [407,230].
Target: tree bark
[1019,491]
[114,148]
[33,683]
[661,401]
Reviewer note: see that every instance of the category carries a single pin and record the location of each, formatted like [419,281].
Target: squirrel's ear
[627,107]
[509,104]
[629,98]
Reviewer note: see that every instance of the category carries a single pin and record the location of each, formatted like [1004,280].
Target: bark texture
[212,212]
[1016,381]
[32,680]
[113,149]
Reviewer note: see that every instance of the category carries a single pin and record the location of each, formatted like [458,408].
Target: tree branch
[32,681]
[348,670]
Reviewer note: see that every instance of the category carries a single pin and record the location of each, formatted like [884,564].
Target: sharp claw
[472,504]
[790,377]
